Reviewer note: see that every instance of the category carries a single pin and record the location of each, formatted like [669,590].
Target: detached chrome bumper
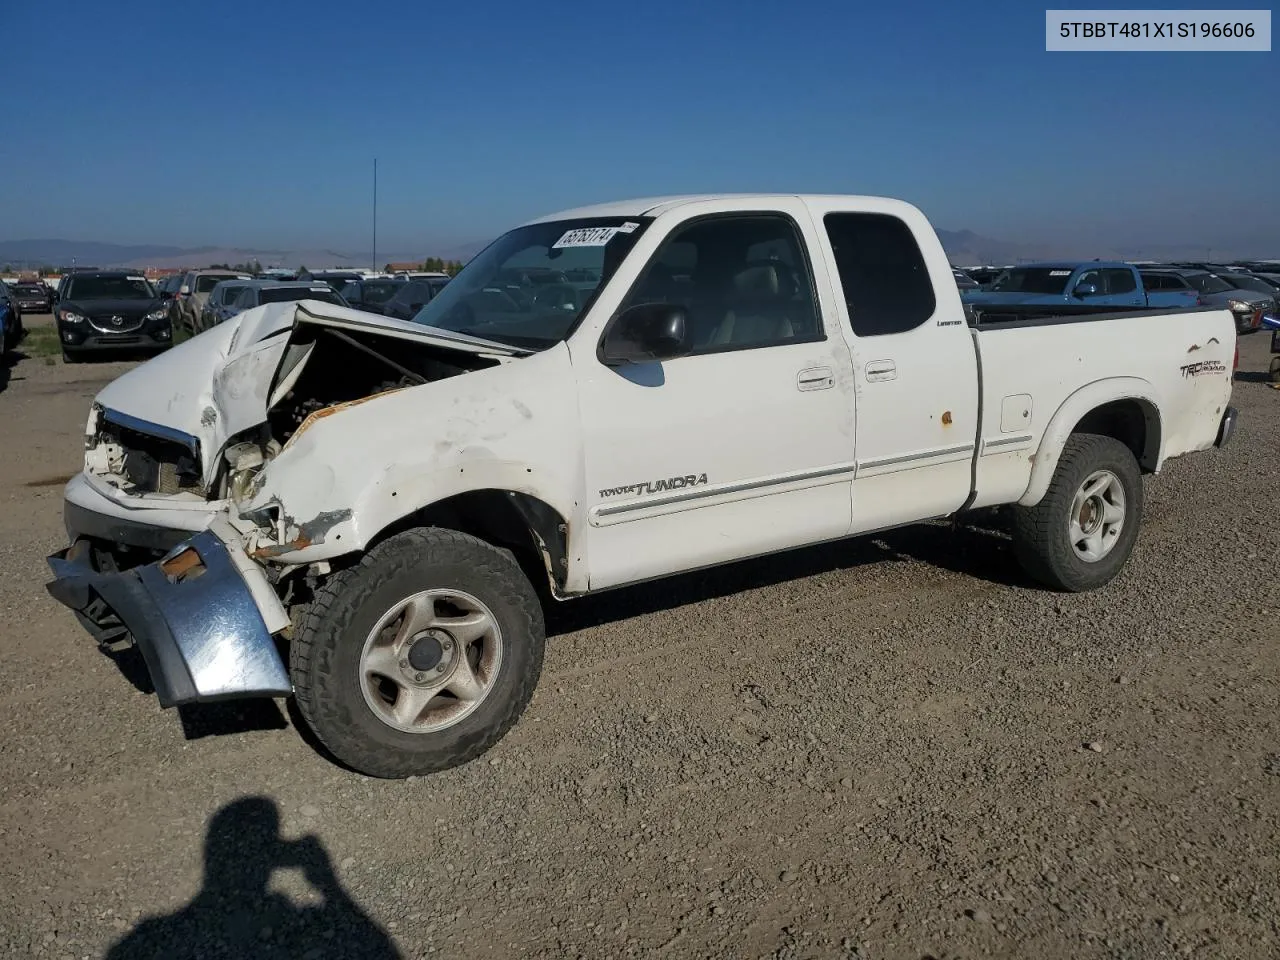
[202,617]
[1228,427]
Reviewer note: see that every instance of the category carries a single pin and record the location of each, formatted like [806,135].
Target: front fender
[1074,409]
[337,485]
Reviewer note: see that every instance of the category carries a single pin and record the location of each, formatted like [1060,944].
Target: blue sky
[256,124]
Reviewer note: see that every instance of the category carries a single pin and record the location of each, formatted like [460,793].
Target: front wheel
[421,656]
[1082,531]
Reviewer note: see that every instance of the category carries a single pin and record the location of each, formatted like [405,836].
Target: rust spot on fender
[946,418]
[314,418]
[303,534]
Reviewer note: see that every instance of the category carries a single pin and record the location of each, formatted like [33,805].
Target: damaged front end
[207,613]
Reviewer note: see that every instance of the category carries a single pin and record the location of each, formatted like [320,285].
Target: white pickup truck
[368,514]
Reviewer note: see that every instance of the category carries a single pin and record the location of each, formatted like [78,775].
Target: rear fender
[1074,409]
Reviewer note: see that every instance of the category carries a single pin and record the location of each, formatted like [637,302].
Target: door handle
[815,378]
[877,370]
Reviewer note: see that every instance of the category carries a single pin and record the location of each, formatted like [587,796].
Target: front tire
[421,656]
[1082,531]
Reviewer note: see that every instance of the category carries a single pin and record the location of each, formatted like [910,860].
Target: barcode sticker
[586,237]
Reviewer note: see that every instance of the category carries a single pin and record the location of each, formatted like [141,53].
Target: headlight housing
[69,316]
[1239,306]
[160,314]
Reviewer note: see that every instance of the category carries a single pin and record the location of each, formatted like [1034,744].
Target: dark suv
[33,296]
[110,310]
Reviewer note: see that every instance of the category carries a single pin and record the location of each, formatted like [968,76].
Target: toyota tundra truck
[370,514]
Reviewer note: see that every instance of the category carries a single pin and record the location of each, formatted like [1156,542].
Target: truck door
[915,366]
[1122,286]
[743,447]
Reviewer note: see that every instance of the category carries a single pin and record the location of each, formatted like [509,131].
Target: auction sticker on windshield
[586,237]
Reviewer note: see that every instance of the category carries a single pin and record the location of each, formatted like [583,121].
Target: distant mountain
[61,253]
[963,247]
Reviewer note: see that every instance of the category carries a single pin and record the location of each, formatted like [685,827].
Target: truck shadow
[978,547]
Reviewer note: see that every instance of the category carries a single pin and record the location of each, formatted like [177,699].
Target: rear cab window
[883,276]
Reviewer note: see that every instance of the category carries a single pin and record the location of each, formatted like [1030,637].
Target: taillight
[1200,301]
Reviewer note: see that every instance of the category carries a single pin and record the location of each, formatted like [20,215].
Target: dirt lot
[889,748]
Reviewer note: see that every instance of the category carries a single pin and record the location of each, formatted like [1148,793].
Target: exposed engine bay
[321,371]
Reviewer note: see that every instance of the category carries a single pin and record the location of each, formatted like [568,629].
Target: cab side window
[886,284]
[743,279]
[1119,280]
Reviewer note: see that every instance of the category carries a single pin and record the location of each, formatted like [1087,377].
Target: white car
[603,396]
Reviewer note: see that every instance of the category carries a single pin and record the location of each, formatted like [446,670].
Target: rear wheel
[70,356]
[421,656]
[1082,531]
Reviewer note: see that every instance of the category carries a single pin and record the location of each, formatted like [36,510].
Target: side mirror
[646,333]
[1085,290]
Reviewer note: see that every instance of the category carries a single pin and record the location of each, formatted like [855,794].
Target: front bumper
[96,510]
[202,617]
[1227,428]
[86,336]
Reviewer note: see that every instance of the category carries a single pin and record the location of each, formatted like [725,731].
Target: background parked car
[334,278]
[10,318]
[185,307]
[1212,291]
[217,306]
[169,286]
[33,296]
[258,292]
[412,297]
[110,310]
[1095,283]
[371,293]
[984,275]
[963,280]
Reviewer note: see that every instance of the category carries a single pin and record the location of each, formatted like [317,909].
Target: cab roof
[655,206]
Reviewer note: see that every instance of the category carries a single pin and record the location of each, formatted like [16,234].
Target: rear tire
[351,701]
[70,356]
[1082,531]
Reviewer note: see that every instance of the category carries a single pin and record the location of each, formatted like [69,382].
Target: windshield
[207,282]
[530,286]
[1208,283]
[109,288]
[230,292]
[1241,282]
[1049,280]
[285,294]
[379,291]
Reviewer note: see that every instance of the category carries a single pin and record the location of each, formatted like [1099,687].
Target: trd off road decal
[657,486]
[1203,367]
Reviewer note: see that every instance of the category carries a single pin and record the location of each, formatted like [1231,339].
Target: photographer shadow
[236,915]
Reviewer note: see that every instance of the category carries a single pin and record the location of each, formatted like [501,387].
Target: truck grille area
[154,464]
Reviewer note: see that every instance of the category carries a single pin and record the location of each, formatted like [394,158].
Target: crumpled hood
[216,384]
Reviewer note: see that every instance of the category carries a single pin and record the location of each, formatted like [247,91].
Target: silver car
[1247,306]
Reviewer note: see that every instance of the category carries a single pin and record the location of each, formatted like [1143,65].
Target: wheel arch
[535,532]
[1125,408]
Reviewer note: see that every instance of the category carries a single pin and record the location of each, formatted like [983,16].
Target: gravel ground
[888,748]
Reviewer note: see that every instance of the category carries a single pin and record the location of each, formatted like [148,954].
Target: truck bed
[1174,368]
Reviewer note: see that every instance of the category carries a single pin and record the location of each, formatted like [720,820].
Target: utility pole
[375,214]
